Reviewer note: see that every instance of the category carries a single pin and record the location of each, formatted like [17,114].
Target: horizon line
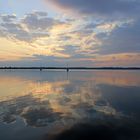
[69,68]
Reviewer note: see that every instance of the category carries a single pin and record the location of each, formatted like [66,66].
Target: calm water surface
[58,105]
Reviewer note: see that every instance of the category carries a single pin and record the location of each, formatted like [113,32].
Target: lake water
[69,106]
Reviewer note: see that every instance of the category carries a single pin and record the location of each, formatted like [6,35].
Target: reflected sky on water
[37,105]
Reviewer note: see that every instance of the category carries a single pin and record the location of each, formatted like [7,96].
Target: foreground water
[58,105]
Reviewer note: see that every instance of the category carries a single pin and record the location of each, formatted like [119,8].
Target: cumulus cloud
[8,18]
[28,28]
[39,20]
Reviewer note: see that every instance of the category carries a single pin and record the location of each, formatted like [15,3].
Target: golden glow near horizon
[20,86]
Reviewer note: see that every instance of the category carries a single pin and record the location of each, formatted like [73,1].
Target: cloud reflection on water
[57,102]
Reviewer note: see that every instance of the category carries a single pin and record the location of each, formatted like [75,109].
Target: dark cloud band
[101,7]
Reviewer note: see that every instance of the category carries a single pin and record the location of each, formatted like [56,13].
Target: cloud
[39,21]
[125,39]
[30,27]
[86,41]
[101,7]
[120,59]
[8,18]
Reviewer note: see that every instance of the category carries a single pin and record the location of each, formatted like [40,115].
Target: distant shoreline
[70,68]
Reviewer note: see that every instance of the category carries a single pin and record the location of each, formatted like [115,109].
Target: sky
[73,32]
